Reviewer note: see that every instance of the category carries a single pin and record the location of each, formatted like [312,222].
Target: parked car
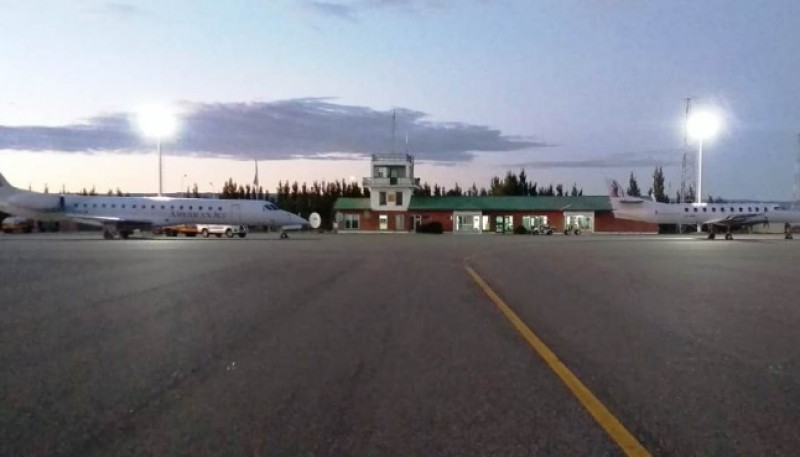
[17,225]
[542,230]
[228,230]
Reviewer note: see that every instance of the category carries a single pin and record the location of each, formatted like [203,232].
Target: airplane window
[85,205]
[200,208]
[180,207]
[733,210]
[765,209]
[94,205]
[740,209]
[76,205]
[220,208]
[104,205]
[713,210]
[123,206]
[695,210]
[114,205]
[134,206]
[152,206]
[685,210]
[190,208]
[163,207]
[749,209]
[171,207]
[705,210]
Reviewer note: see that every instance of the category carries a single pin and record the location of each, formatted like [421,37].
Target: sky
[571,91]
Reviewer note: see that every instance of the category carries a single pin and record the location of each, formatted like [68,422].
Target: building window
[351,221]
[382,198]
[398,198]
[383,222]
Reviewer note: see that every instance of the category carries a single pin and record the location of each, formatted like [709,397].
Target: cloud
[337,10]
[351,9]
[119,10]
[665,158]
[297,128]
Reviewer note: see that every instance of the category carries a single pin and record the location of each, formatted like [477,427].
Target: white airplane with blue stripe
[717,216]
[120,216]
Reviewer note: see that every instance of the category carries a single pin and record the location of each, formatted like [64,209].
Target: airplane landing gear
[284,235]
[728,236]
[788,236]
[109,232]
[787,232]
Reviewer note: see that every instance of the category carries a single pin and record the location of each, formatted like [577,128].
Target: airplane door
[236,214]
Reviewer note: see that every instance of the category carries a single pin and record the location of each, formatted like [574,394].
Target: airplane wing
[740,220]
[109,220]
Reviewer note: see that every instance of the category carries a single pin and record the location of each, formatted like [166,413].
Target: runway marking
[612,426]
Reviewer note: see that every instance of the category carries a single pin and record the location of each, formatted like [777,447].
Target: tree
[690,196]
[574,192]
[659,192]
[46,189]
[633,187]
[195,191]
[560,190]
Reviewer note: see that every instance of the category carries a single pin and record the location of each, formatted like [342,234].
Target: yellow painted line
[613,427]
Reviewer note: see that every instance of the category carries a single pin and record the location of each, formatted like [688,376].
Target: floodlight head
[157,121]
[703,125]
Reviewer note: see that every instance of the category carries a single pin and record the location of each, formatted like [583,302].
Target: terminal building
[391,207]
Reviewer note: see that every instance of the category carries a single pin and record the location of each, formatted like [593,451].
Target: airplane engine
[38,202]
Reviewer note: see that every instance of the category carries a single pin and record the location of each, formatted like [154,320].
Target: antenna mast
[687,162]
[796,193]
[394,128]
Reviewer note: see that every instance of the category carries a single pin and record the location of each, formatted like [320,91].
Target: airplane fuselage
[156,211]
[703,213]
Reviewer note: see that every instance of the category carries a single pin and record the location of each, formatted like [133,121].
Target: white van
[228,230]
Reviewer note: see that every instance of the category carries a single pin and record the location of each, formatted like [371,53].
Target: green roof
[587,203]
[351,203]
[583,203]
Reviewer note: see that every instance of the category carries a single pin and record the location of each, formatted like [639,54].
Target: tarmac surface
[384,345]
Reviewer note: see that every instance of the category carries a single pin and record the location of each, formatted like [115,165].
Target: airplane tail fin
[5,187]
[617,195]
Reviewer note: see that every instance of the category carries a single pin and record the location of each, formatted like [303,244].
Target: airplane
[717,216]
[120,216]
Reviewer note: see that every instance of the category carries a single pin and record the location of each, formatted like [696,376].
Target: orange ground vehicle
[187,230]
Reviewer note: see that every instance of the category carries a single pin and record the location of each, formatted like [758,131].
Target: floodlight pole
[160,168]
[699,198]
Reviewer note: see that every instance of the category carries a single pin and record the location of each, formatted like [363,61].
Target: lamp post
[160,123]
[701,126]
